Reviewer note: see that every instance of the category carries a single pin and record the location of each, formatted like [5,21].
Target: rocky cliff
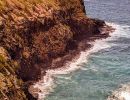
[33,33]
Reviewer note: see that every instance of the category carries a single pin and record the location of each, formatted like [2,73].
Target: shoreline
[67,63]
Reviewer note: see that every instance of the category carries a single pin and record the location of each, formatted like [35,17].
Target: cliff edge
[33,33]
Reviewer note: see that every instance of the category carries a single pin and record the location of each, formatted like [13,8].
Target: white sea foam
[120,31]
[122,93]
[46,85]
[43,87]
[125,95]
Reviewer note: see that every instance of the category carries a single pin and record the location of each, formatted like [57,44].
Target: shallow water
[106,69]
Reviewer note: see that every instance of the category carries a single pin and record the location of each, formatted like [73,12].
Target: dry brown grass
[23,4]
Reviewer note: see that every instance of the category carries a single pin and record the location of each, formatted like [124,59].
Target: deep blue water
[117,11]
[106,69]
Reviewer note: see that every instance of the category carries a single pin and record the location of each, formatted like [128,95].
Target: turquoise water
[104,70]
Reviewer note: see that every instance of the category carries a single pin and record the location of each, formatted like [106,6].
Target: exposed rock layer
[36,32]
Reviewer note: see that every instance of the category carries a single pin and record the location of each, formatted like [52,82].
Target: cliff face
[34,33]
[10,85]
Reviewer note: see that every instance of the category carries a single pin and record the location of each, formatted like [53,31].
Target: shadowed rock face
[36,32]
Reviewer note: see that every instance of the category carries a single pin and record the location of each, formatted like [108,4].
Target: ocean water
[105,71]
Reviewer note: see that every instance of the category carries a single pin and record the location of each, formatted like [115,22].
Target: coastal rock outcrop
[36,32]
